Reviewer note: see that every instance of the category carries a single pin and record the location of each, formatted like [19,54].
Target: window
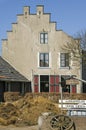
[43,38]
[44,59]
[64,60]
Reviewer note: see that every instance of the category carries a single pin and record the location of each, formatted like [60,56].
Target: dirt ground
[18,128]
[80,123]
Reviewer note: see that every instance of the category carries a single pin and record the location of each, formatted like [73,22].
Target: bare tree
[82,36]
[73,48]
[77,46]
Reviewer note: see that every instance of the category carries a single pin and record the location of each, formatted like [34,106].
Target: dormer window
[43,38]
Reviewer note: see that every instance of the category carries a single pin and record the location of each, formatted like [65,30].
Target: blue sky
[70,15]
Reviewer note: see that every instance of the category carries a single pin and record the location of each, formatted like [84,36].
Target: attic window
[44,38]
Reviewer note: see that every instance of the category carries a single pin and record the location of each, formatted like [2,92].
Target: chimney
[26,10]
[40,10]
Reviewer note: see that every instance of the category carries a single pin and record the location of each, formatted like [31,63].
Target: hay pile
[26,110]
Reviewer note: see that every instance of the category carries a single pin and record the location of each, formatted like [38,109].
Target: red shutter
[52,80]
[73,88]
[52,83]
[36,81]
[57,83]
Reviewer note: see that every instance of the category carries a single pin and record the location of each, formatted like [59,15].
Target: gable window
[64,60]
[43,38]
[44,60]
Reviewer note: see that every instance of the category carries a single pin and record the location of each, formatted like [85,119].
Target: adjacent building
[34,48]
[11,80]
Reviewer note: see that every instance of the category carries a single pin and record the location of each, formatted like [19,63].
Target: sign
[72,104]
[72,81]
[73,101]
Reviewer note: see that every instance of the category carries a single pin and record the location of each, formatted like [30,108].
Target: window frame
[43,56]
[64,60]
[43,38]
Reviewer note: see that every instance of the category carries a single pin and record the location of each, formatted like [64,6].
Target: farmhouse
[34,48]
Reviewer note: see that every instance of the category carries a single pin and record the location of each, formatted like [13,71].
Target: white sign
[73,106]
[73,101]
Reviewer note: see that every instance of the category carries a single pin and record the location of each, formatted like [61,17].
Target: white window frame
[45,67]
[63,66]
[43,38]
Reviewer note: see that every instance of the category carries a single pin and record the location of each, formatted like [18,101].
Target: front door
[44,83]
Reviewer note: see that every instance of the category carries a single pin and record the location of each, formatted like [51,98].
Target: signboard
[72,104]
[72,81]
[74,107]
[73,101]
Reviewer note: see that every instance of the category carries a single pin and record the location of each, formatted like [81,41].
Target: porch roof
[8,73]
